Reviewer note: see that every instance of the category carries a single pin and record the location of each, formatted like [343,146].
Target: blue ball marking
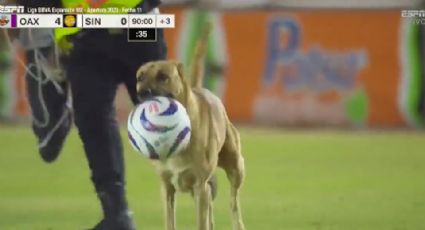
[149,126]
[172,108]
[133,141]
[179,139]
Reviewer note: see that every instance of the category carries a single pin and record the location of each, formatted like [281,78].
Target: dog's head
[160,78]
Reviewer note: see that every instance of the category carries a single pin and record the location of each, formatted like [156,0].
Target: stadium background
[329,97]
[358,64]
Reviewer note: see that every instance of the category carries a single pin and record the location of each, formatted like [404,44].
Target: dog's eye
[161,77]
[141,78]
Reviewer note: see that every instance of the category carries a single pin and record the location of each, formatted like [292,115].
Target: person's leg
[48,99]
[94,75]
[93,84]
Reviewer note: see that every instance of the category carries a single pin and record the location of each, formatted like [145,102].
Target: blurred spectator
[194,21]
[421,40]
[5,64]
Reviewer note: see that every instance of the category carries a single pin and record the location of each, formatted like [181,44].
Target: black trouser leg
[98,63]
[93,90]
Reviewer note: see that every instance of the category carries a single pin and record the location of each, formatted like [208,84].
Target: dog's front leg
[169,193]
[202,198]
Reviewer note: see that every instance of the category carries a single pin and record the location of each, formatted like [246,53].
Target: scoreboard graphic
[141,27]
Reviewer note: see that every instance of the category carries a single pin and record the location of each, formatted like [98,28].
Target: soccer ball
[159,128]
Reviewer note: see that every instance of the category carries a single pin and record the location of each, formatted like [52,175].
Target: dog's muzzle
[148,93]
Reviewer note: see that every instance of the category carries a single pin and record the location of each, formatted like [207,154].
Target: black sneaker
[51,115]
[115,209]
[122,222]
[52,138]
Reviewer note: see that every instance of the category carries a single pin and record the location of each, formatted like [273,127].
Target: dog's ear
[180,70]
[144,69]
[139,72]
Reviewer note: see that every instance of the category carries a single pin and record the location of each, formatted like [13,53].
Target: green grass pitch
[295,180]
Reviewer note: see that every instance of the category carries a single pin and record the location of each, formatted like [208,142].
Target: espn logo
[412,13]
[11,9]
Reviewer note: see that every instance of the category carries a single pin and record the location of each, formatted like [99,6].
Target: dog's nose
[145,93]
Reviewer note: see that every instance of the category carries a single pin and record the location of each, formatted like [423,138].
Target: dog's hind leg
[231,160]
[169,193]
[236,177]
[211,214]
[203,199]
[212,182]
[212,187]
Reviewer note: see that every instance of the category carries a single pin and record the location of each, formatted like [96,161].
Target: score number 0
[123,21]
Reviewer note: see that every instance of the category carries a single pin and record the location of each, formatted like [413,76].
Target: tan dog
[214,140]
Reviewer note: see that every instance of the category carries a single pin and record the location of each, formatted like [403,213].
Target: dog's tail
[197,65]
